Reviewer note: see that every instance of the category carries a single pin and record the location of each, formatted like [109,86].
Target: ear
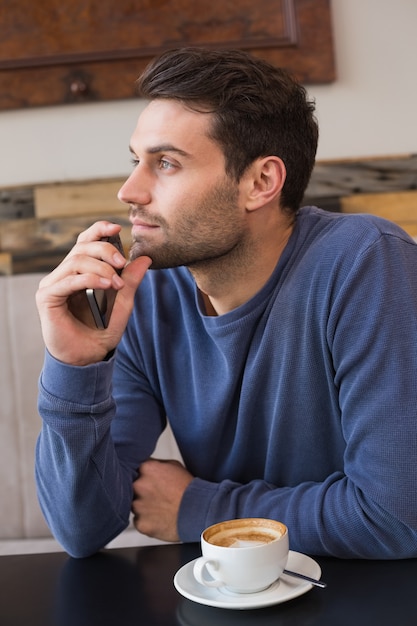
[265,180]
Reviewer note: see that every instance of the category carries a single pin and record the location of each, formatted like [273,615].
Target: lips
[139,219]
[141,228]
[142,224]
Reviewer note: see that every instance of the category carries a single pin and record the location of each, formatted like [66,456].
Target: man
[279,342]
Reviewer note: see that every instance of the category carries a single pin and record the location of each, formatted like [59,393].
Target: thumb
[134,272]
[132,276]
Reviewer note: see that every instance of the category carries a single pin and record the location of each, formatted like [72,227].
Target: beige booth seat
[22,527]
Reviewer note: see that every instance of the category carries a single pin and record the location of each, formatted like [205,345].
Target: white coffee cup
[243,555]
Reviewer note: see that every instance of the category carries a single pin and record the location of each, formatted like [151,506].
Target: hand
[157,497]
[62,304]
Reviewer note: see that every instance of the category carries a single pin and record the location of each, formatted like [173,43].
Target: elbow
[81,541]
[82,545]
[79,552]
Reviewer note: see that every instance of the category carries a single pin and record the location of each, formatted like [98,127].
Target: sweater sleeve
[84,474]
[368,508]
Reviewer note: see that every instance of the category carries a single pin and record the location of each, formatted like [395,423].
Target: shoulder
[330,248]
[350,230]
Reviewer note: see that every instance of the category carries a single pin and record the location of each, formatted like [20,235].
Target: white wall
[370,110]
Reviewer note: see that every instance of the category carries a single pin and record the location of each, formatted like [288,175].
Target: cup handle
[200,568]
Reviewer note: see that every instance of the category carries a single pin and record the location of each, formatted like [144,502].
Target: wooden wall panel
[74,199]
[62,51]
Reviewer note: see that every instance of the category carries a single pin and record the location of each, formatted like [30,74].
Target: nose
[136,189]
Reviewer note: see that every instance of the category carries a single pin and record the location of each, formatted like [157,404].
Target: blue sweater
[300,405]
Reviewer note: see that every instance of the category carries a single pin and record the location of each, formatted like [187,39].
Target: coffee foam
[247,543]
[235,534]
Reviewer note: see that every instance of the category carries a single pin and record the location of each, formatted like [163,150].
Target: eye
[165,165]
[134,161]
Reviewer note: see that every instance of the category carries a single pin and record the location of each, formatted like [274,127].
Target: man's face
[184,210]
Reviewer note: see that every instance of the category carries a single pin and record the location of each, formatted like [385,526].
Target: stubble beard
[201,236]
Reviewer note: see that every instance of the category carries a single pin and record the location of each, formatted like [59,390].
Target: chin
[137,250]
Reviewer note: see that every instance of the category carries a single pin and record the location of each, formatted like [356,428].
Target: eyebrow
[165,147]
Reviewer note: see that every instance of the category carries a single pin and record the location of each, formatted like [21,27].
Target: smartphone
[101,301]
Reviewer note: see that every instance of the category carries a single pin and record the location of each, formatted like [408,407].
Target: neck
[230,281]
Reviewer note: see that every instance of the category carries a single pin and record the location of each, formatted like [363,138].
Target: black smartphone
[101,301]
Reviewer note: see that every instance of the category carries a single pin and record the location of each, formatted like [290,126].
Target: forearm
[83,511]
[84,491]
[332,518]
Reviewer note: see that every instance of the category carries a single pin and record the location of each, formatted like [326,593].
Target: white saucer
[283,590]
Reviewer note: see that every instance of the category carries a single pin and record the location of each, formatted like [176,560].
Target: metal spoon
[313,581]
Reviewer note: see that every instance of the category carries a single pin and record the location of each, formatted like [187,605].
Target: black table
[133,587]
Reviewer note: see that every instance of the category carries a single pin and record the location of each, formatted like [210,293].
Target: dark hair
[258,109]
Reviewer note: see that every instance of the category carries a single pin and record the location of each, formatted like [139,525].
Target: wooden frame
[62,51]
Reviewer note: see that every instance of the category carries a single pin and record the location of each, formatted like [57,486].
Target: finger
[101,250]
[90,242]
[99,229]
[79,272]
